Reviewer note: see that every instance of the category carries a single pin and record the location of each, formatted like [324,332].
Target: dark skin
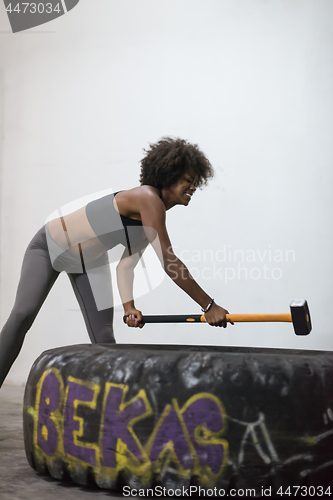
[144,203]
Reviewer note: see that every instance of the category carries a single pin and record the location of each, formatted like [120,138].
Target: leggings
[36,280]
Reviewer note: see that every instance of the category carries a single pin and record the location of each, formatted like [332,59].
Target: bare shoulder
[146,196]
[139,201]
[145,190]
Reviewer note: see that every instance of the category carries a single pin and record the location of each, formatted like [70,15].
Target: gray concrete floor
[18,481]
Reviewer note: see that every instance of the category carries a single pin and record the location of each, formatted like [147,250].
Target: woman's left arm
[125,278]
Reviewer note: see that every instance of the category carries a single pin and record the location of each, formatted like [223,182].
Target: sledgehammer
[299,316]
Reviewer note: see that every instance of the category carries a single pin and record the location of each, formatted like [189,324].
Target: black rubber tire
[174,416]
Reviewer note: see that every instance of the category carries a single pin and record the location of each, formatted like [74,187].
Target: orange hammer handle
[257,318]
[285,317]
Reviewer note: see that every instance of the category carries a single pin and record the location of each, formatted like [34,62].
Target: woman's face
[182,190]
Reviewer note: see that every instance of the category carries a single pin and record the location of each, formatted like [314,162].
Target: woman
[77,243]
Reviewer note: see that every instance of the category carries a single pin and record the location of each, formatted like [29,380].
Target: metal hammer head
[300,315]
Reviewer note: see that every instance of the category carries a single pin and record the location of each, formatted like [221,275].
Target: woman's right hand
[134,318]
[216,316]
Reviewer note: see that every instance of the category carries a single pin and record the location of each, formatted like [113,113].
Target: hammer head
[300,315]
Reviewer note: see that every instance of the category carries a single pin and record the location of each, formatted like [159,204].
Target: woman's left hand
[216,316]
[134,318]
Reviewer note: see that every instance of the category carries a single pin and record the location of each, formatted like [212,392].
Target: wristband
[208,307]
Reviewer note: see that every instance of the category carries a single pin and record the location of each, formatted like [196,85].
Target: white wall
[250,81]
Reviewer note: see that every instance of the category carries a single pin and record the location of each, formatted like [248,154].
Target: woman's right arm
[153,216]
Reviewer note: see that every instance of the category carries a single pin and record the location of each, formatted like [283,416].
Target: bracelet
[208,307]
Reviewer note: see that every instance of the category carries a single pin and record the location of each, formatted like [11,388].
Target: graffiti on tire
[192,435]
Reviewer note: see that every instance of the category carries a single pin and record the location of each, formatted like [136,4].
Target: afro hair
[169,158]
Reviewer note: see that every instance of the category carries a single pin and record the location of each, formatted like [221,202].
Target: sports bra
[112,228]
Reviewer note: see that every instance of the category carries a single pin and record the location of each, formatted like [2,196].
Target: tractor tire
[174,417]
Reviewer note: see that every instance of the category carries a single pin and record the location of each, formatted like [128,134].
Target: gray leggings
[36,280]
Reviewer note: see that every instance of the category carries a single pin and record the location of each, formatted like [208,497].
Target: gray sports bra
[112,228]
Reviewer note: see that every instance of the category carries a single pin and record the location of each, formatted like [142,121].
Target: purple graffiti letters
[202,417]
[189,436]
[171,430]
[77,394]
[193,432]
[47,433]
[118,420]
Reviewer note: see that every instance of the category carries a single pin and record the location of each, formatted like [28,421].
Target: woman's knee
[23,319]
